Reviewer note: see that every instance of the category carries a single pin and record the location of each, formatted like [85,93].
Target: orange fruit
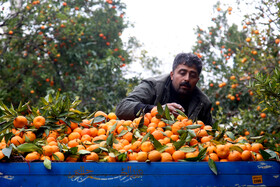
[174,137]
[178,155]
[176,126]
[47,150]
[168,133]
[112,115]
[85,123]
[52,143]
[72,158]
[170,148]
[222,151]
[86,137]
[192,154]
[50,139]
[255,147]
[151,129]
[92,157]
[60,156]
[17,140]
[55,148]
[213,156]
[85,131]
[147,146]
[20,122]
[258,157]
[187,122]
[155,120]
[154,111]
[39,121]
[193,142]
[73,125]
[128,136]
[166,157]
[100,113]
[2,145]
[29,135]
[246,155]
[234,156]
[211,149]
[32,156]
[200,123]
[154,156]
[263,115]
[201,133]
[74,135]
[132,156]
[92,147]
[73,143]
[44,157]
[109,159]
[161,124]
[101,132]
[142,156]
[93,131]
[157,134]
[205,139]
[136,146]
[1,154]
[181,118]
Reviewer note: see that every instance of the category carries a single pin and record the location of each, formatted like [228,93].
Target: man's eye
[193,75]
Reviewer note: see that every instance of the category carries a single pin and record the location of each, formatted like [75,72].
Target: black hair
[188,59]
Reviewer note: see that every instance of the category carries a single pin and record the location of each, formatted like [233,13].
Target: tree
[234,58]
[70,46]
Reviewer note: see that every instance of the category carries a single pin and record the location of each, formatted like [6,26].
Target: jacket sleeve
[144,93]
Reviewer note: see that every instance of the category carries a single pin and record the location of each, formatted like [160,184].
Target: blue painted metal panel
[140,174]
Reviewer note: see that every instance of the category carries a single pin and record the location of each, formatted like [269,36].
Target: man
[176,91]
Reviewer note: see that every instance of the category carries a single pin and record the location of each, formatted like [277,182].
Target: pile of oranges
[128,143]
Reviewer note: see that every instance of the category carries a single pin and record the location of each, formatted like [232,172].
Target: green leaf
[48,164]
[212,166]
[123,132]
[109,140]
[83,152]
[146,137]
[160,109]
[113,127]
[220,136]
[193,126]
[202,153]
[29,147]
[167,113]
[181,113]
[156,143]
[55,157]
[7,151]
[99,119]
[181,142]
[188,149]
[122,157]
[230,135]
[236,148]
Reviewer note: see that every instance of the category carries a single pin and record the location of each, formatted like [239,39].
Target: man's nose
[187,77]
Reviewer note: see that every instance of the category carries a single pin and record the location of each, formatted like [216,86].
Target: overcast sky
[166,27]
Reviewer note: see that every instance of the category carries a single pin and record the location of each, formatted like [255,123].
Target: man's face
[184,79]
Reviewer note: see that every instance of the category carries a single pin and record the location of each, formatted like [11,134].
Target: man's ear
[171,75]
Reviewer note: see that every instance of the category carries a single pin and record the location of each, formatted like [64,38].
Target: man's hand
[172,108]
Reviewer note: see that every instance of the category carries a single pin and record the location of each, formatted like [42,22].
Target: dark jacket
[156,90]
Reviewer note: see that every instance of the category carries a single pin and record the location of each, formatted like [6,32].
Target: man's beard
[184,92]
